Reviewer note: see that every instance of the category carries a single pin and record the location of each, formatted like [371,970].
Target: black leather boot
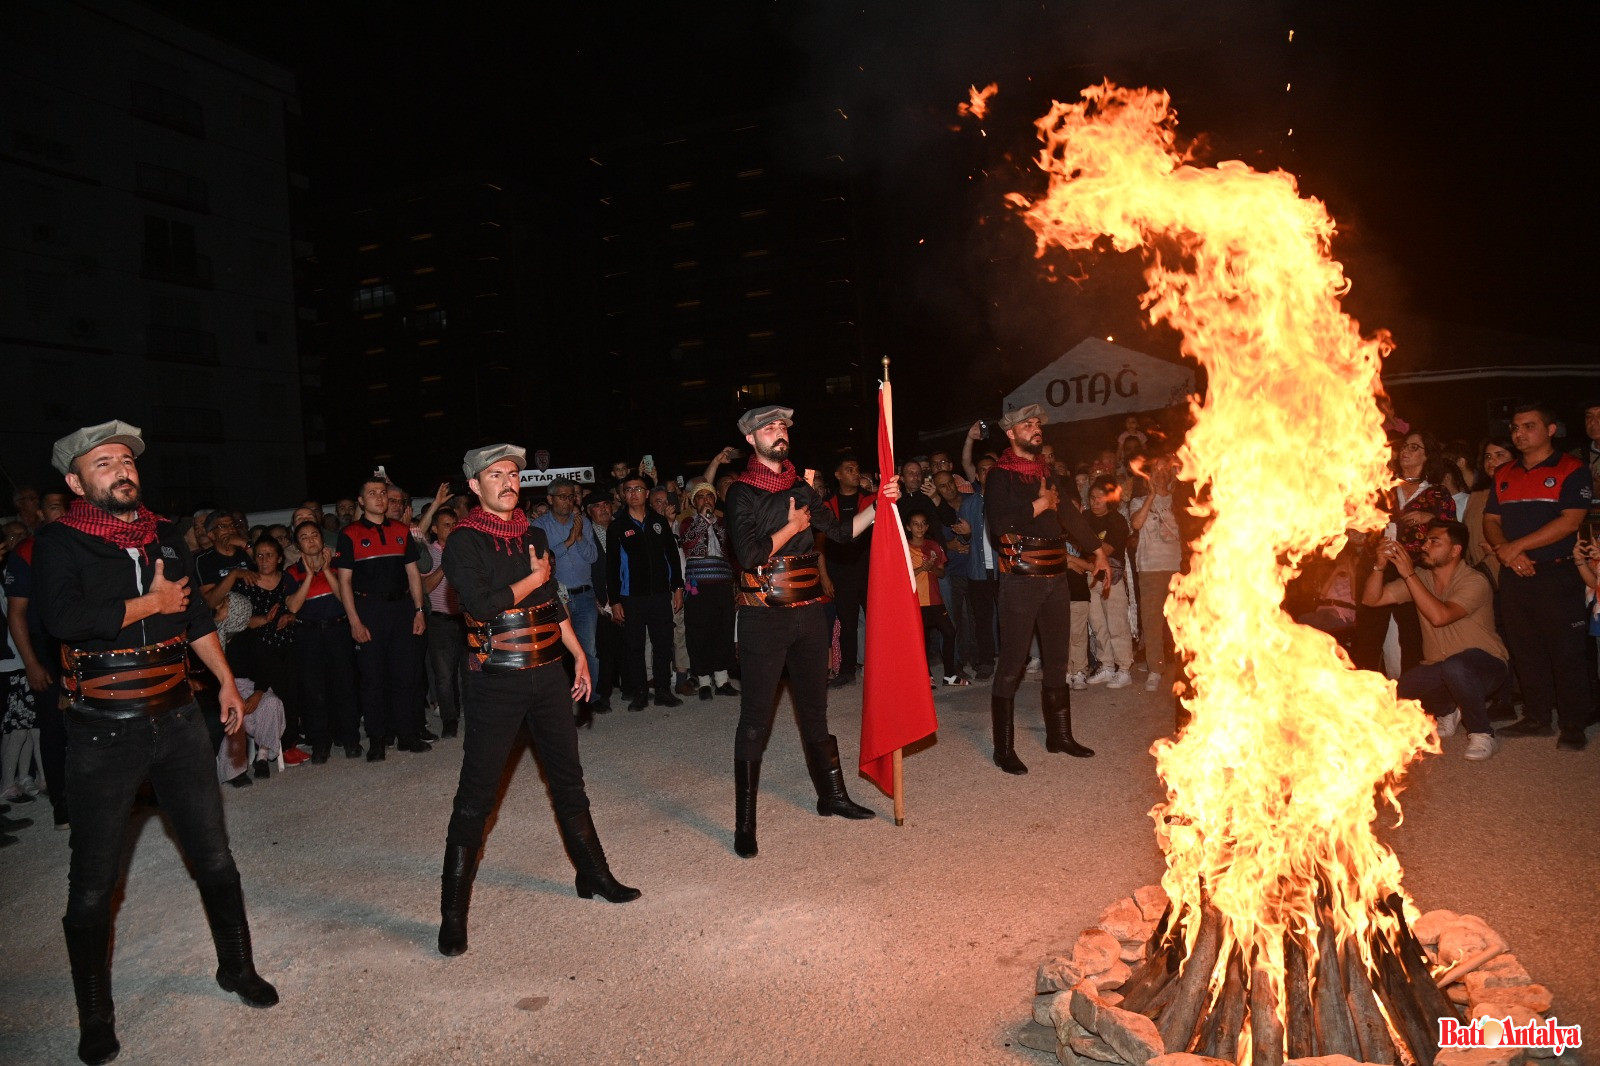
[89,950]
[822,759]
[1005,730]
[746,782]
[594,875]
[230,932]
[1058,724]
[665,698]
[455,896]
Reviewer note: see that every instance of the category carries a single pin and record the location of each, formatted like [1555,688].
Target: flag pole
[899,776]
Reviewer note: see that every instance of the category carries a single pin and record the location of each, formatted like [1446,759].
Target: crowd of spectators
[645,567]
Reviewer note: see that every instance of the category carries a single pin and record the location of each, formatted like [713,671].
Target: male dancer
[770,516]
[120,592]
[499,565]
[1028,525]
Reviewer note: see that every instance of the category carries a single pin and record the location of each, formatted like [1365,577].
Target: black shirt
[1008,508]
[376,556]
[754,515]
[482,570]
[84,583]
[850,557]
[213,565]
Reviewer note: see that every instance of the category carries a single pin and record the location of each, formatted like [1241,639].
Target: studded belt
[519,639]
[785,581]
[128,682]
[1032,556]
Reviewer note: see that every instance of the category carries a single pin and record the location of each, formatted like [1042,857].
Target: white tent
[1098,378]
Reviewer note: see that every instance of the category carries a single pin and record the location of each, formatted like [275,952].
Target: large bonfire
[1272,786]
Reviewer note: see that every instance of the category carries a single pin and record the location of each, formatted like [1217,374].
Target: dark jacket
[754,515]
[641,557]
[1008,508]
[482,570]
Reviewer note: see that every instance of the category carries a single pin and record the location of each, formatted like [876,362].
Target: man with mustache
[1028,525]
[382,596]
[500,567]
[771,515]
[118,589]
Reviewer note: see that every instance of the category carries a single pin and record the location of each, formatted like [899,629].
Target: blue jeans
[1463,682]
[107,761]
[585,615]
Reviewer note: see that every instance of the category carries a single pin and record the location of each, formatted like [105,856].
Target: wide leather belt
[128,682]
[786,581]
[519,639]
[1032,556]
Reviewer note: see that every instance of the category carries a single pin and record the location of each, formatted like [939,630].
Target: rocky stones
[1133,951]
[1535,998]
[1183,1058]
[1042,1006]
[1465,938]
[1324,1060]
[1152,901]
[1038,1037]
[1132,1036]
[1125,921]
[1428,927]
[1056,974]
[1095,952]
[1114,977]
[1087,1045]
[1480,1056]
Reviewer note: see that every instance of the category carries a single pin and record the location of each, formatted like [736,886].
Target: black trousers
[497,707]
[849,600]
[1026,602]
[326,661]
[1372,627]
[981,596]
[936,620]
[393,682]
[608,653]
[107,761]
[771,638]
[652,613]
[1545,626]
[447,655]
[708,627]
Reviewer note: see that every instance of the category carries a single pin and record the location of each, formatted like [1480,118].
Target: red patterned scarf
[501,530]
[762,477]
[85,517]
[1027,469]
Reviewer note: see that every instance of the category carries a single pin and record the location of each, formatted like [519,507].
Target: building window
[171,187]
[174,423]
[170,254]
[755,392]
[253,113]
[167,108]
[372,297]
[841,386]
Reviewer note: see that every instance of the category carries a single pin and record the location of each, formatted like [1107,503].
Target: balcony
[167,108]
[193,271]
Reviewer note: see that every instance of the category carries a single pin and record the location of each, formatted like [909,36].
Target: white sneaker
[1102,675]
[1481,745]
[1120,679]
[1078,681]
[1447,724]
[1152,683]
[1035,668]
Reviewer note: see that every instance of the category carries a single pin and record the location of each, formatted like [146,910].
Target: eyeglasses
[634,488]
[1413,446]
[563,495]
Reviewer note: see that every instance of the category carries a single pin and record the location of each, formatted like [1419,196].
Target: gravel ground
[843,941]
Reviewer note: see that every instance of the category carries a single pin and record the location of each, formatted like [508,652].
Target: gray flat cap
[480,459]
[89,438]
[1022,414]
[757,417]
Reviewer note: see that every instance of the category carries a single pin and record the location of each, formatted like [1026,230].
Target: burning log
[1372,1032]
[1430,996]
[1190,990]
[1163,954]
[1266,1028]
[1336,1031]
[1301,1026]
[1220,1032]
[1396,991]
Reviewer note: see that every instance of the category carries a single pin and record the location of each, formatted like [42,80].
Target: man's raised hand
[799,517]
[540,565]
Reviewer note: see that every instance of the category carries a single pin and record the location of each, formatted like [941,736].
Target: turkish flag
[896,702]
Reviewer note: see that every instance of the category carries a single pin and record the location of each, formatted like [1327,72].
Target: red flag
[896,702]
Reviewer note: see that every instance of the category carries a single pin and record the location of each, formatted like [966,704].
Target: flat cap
[89,438]
[757,417]
[480,459]
[596,496]
[1022,414]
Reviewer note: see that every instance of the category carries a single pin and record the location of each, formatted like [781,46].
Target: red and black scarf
[502,531]
[1034,469]
[85,517]
[762,476]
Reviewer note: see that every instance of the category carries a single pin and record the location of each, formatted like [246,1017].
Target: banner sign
[533,479]
[1099,378]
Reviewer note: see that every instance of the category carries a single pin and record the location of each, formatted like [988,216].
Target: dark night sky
[1449,144]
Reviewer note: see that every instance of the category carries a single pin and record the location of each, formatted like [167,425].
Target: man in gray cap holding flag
[771,516]
[121,593]
[499,565]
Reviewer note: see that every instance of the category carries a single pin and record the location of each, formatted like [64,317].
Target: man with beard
[117,590]
[1463,659]
[382,595]
[1028,526]
[499,565]
[771,515]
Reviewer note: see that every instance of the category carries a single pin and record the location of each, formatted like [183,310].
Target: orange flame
[978,103]
[1273,785]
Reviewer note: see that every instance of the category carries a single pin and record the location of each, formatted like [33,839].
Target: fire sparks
[1272,788]
[977,104]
